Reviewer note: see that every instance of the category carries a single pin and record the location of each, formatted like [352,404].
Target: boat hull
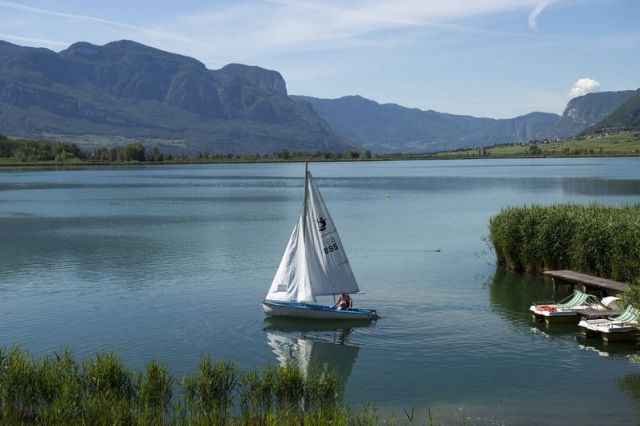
[622,336]
[274,308]
[554,317]
[609,331]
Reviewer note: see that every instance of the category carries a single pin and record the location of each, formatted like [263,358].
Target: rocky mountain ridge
[125,90]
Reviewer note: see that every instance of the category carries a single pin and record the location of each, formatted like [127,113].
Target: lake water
[172,262]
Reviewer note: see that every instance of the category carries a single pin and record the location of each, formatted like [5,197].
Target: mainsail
[314,262]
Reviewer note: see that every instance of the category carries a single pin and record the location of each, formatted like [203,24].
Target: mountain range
[125,91]
[394,128]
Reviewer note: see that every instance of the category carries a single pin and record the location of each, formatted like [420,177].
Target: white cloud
[533,16]
[243,29]
[264,27]
[259,28]
[583,86]
[41,41]
[158,34]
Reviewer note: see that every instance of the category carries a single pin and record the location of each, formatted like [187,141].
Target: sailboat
[314,264]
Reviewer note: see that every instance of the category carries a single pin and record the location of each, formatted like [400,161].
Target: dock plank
[588,280]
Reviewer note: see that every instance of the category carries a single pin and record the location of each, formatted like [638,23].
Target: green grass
[594,239]
[620,144]
[102,390]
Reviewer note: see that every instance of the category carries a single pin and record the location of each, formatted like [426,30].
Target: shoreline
[409,157]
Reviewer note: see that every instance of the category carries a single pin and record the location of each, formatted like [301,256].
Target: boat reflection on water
[628,350]
[552,330]
[311,344]
[511,294]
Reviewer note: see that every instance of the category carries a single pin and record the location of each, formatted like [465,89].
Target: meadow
[619,144]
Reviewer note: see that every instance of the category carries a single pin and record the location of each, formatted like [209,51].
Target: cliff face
[626,117]
[127,90]
[585,111]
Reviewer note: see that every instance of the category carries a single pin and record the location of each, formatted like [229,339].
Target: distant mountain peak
[358,98]
[118,50]
[81,48]
[268,81]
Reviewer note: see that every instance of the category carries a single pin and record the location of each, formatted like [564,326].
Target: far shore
[407,157]
[27,153]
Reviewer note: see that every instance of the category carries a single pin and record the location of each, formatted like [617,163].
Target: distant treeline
[23,150]
[30,151]
[594,239]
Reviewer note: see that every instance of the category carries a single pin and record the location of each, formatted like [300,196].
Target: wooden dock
[588,281]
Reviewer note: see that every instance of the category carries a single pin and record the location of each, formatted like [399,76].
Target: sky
[489,58]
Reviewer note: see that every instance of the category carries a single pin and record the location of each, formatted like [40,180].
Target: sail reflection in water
[311,344]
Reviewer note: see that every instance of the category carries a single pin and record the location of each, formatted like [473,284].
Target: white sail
[314,262]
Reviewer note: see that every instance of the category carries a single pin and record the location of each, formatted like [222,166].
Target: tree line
[30,151]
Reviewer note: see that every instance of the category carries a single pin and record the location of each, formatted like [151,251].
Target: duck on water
[314,264]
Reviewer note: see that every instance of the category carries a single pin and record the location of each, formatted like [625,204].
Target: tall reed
[595,239]
[58,389]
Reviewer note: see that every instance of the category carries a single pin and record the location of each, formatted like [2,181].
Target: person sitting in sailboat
[345,302]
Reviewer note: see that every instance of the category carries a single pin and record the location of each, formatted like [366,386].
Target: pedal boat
[565,311]
[624,327]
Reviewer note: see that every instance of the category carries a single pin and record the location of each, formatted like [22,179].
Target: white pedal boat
[625,326]
[565,311]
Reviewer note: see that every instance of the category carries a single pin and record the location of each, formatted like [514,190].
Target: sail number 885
[330,248]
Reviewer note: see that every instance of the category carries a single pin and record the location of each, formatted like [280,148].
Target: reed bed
[102,390]
[594,239]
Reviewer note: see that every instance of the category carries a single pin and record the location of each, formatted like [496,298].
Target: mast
[304,214]
[304,206]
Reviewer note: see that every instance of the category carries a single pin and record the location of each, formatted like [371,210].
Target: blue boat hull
[275,308]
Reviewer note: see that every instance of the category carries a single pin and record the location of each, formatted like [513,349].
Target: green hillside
[619,144]
[626,117]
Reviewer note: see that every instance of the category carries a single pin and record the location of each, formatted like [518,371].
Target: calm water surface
[172,263]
